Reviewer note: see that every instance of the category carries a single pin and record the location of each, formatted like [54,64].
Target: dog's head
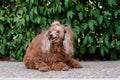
[58,34]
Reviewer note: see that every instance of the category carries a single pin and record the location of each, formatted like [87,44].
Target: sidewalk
[92,70]
[55,79]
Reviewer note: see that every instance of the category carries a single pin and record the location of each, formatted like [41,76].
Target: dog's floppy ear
[45,47]
[68,41]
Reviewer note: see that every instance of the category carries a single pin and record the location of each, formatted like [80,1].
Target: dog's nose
[51,35]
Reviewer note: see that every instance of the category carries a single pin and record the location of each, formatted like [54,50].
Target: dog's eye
[58,31]
[49,32]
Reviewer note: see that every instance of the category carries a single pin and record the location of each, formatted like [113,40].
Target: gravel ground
[91,69]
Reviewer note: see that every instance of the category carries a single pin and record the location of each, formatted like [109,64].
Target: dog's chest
[56,54]
[57,49]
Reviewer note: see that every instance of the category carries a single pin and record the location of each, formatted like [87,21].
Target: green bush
[96,24]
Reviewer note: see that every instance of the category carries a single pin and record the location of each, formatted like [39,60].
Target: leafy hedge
[95,22]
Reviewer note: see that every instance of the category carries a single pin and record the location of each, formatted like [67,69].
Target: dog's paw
[75,64]
[44,69]
[60,67]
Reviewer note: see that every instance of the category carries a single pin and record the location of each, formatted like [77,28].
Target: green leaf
[59,8]
[70,14]
[9,19]
[68,22]
[84,26]
[107,41]
[82,49]
[92,49]
[66,3]
[31,1]
[79,7]
[85,40]
[77,29]
[2,47]
[106,49]
[43,21]
[37,20]
[95,23]
[100,19]
[106,22]
[41,9]
[11,0]
[112,45]
[20,22]
[1,28]
[117,30]
[27,18]
[113,55]
[118,45]
[57,1]
[2,18]
[107,13]
[34,10]
[20,37]
[17,1]
[90,39]
[91,25]
[112,2]
[94,12]
[20,11]
[16,18]
[102,51]
[116,13]
[80,15]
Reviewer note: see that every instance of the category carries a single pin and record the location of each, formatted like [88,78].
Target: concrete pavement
[55,79]
[95,70]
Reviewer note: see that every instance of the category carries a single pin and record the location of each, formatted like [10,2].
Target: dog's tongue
[53,39]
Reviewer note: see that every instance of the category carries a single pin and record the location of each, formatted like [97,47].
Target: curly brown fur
[52,50]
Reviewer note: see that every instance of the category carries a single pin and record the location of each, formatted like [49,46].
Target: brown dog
[52,50]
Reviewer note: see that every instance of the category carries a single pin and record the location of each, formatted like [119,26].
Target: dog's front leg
[74,63]
[60,66]
[42,66]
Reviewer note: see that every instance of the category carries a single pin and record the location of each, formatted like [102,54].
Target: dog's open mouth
[54,39]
